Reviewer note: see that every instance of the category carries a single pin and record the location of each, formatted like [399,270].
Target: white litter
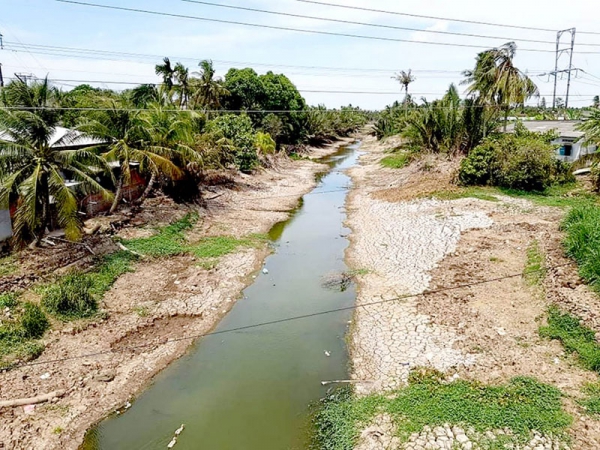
[265,271]
[328,354]
[172,443]
[127,405]
[45,376]
[179,430]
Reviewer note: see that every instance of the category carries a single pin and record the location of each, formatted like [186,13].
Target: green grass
[534,272]
[480,193]
[582,242]
[8,266]
[396,160]
[591,403]
[171,241]
[521,405]
[575,337]
[19,333]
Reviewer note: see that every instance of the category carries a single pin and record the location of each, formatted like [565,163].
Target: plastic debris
[328,354]
[172,443]
[127,405]
[265,271]
[29,409]
[179,430]
[45,376]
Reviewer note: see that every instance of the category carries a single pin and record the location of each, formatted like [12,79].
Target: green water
[252,390]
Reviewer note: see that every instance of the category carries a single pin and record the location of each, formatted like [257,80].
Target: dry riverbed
[160,300]
[404,242]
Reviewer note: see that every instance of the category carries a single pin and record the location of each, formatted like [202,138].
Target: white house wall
[5,224]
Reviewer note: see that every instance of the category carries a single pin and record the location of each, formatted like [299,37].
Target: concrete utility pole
[1,48]
[559,52]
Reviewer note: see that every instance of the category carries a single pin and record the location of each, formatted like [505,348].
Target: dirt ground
[165,299]
[407,244]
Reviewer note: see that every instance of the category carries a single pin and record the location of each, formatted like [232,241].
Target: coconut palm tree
[208,90]
[498,82]
[33,166]
[128,142]
[405,78]
[166,71]
[182,78]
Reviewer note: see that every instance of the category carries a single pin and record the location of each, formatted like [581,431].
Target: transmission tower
[559,53]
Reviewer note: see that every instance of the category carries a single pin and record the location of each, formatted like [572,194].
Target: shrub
[34,322]
[596,176]
[519,161]
[71,297]
[238,130]
[264,143]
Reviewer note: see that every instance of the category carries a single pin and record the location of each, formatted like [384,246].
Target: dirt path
[167,299]
[407,244]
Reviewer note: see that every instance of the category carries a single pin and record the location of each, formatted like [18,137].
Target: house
[570,142]
[66,139]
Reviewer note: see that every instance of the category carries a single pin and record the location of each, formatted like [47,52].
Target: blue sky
[50,23]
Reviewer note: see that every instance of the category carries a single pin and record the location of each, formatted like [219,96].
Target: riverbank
[406,242]
[169,298]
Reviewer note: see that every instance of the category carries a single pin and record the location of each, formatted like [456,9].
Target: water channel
[251,390]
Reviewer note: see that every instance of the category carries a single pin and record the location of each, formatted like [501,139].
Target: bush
[238,130]
[524,162]
[595,173]
[34,322]
[72,297]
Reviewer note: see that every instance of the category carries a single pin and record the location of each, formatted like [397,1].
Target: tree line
[170,131]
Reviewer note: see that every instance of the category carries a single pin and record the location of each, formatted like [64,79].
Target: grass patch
[575,337]
[171,241]
[521,405]
[8,266]
[480,193]
[21,325]
[396,160]
[582,243]
[535,271]
[559,196]
[76,296]
[591,403]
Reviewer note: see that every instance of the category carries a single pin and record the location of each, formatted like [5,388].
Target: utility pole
[559,52]
[1,48]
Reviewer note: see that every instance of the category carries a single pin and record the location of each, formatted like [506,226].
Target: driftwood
[32,400]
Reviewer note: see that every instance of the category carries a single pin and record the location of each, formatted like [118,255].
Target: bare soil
[486,332]
[171,298]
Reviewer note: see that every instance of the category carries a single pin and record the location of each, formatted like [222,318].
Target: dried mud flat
[163,299]
[406,244]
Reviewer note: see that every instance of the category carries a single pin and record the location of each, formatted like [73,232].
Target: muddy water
[252,389]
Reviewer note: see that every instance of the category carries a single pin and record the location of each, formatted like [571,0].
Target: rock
[105,377]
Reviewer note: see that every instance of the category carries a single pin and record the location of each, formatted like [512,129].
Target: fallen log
[31,400]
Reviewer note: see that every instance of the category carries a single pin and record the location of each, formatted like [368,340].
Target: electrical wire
[447,19]
[374,25]
[298,30]
[293,318]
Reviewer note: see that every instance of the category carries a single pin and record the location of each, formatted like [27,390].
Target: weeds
[21,325]
[582,226]
[8,266]
[522,405]
[480,193]
[535,270]
[396,160]
[171,241]
[575,337]
[591,403]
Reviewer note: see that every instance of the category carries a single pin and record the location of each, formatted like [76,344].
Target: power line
[374,25]
[447,19]
[295,318]
[299,30]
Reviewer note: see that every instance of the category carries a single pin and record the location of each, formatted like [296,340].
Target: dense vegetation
[171,132]
[521,405]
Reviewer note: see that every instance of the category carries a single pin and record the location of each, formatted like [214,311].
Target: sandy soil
[489,332]
[166,299]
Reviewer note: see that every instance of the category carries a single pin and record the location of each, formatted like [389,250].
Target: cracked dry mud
[406,245]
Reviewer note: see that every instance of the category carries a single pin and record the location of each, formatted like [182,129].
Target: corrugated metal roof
[566,128]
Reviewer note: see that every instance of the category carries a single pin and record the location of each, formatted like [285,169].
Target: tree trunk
[118,196]
[505,119]
[41,231]
[148,189]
